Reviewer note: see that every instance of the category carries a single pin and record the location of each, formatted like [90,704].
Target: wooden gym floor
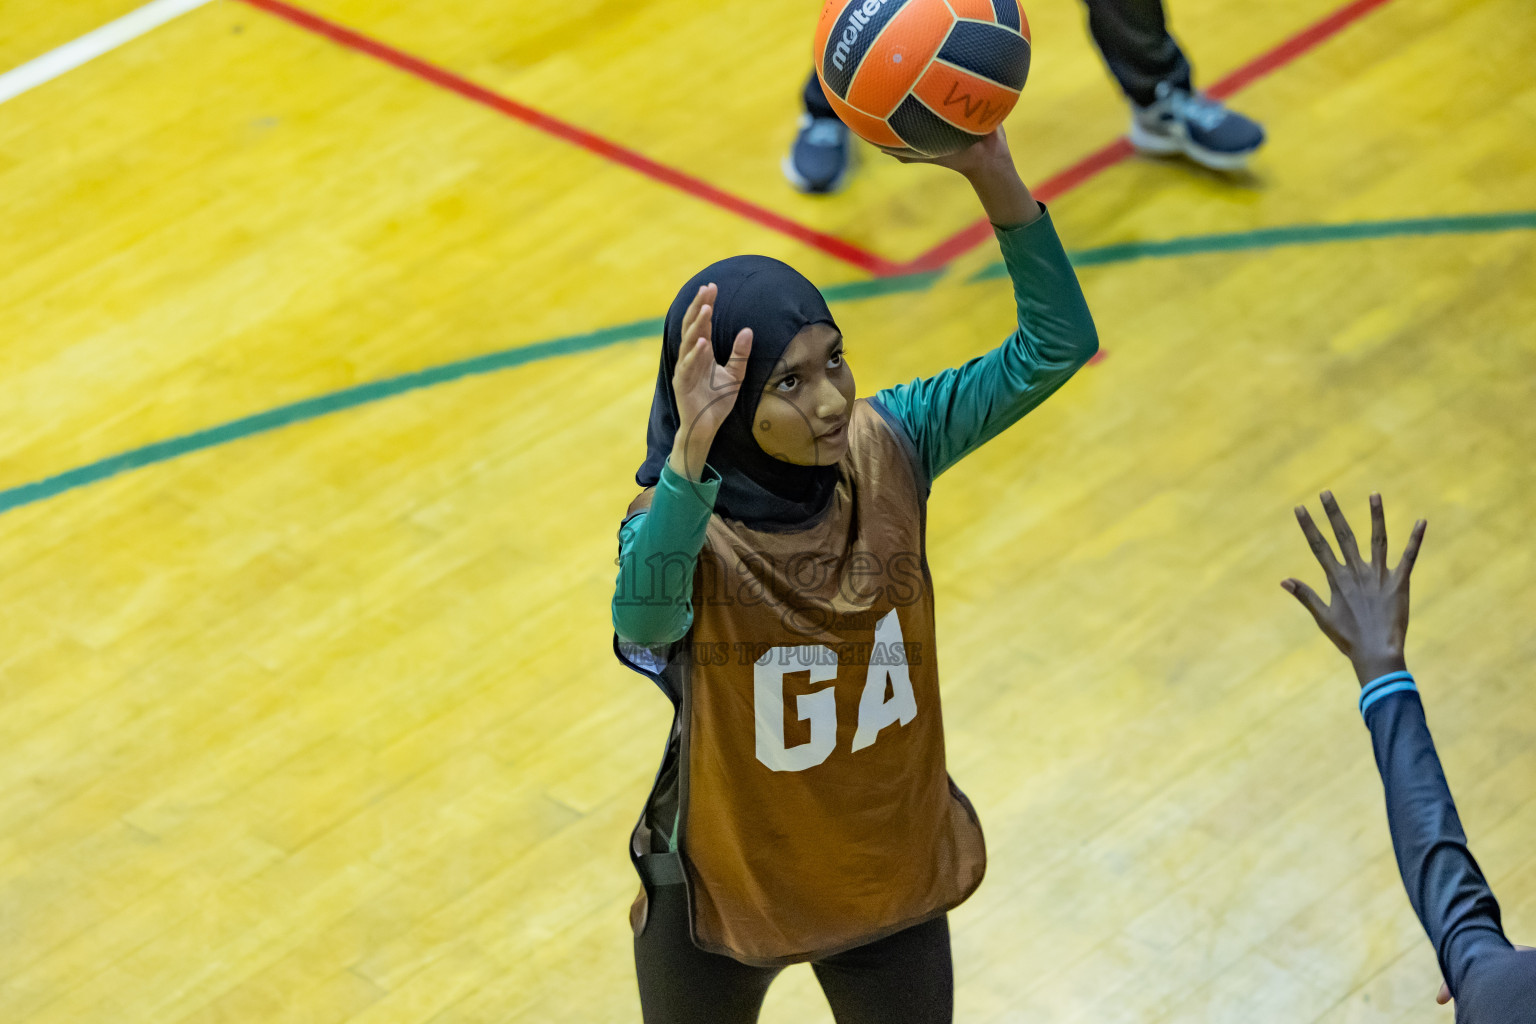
[326,367]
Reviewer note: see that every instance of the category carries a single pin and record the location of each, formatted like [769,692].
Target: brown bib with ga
[813,809]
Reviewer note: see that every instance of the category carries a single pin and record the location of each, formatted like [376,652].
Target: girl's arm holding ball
[988,166]
[952,413]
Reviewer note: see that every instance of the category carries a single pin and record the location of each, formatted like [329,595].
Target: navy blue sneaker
[1180,121]
[818,161]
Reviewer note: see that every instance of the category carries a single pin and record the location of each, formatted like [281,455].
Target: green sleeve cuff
[682,498]
[1017,234]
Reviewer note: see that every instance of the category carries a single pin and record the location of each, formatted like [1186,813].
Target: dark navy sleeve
[1500,988]
[1444,883]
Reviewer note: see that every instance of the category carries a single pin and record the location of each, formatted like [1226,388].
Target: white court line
[92,45]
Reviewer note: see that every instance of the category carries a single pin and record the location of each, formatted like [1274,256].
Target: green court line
[852,291]
[322,405]
[1296,234]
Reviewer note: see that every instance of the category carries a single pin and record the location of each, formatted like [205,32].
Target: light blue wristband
[1385,686]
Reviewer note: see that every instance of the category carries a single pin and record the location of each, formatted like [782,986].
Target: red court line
[697,187]
[1120,149]
[1056,185]
[1293,47]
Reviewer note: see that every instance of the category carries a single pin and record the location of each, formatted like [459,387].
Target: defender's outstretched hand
[1366,616]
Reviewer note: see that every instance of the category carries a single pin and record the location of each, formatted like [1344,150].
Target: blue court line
[853,291]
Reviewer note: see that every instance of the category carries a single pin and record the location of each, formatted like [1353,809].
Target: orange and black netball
[928,76]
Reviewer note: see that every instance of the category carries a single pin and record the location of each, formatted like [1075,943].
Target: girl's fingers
[701,299]
[741,348]
[702,328]
[700,325]
[692,312]
[688,368]
[685,353]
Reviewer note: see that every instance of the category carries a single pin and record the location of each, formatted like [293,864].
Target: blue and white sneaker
[1181,121]
[818,160]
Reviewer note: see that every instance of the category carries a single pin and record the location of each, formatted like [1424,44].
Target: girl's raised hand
[989,151]
[988,165]
[706,391]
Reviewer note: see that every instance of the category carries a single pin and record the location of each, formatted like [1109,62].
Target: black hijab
[776,301]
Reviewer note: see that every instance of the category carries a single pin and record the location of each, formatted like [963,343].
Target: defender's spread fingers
[1320,548]
[1348,549]
[1308,598]
[1411,552]
[1378,537]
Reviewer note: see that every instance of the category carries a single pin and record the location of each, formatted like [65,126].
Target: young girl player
[773,582]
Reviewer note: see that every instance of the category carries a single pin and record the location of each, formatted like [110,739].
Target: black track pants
[1133,37]
[906,978]
[1131,34]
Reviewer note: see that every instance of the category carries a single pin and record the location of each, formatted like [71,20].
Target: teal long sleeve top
[946,416]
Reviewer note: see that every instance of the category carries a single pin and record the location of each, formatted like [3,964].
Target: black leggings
[906,978]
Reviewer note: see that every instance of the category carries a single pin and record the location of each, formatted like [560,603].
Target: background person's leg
[1169,116]
[682,984]
[908,978]
[819,157]
[815,100]
[1133,37]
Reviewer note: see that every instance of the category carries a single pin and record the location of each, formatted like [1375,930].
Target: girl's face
[803,415]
